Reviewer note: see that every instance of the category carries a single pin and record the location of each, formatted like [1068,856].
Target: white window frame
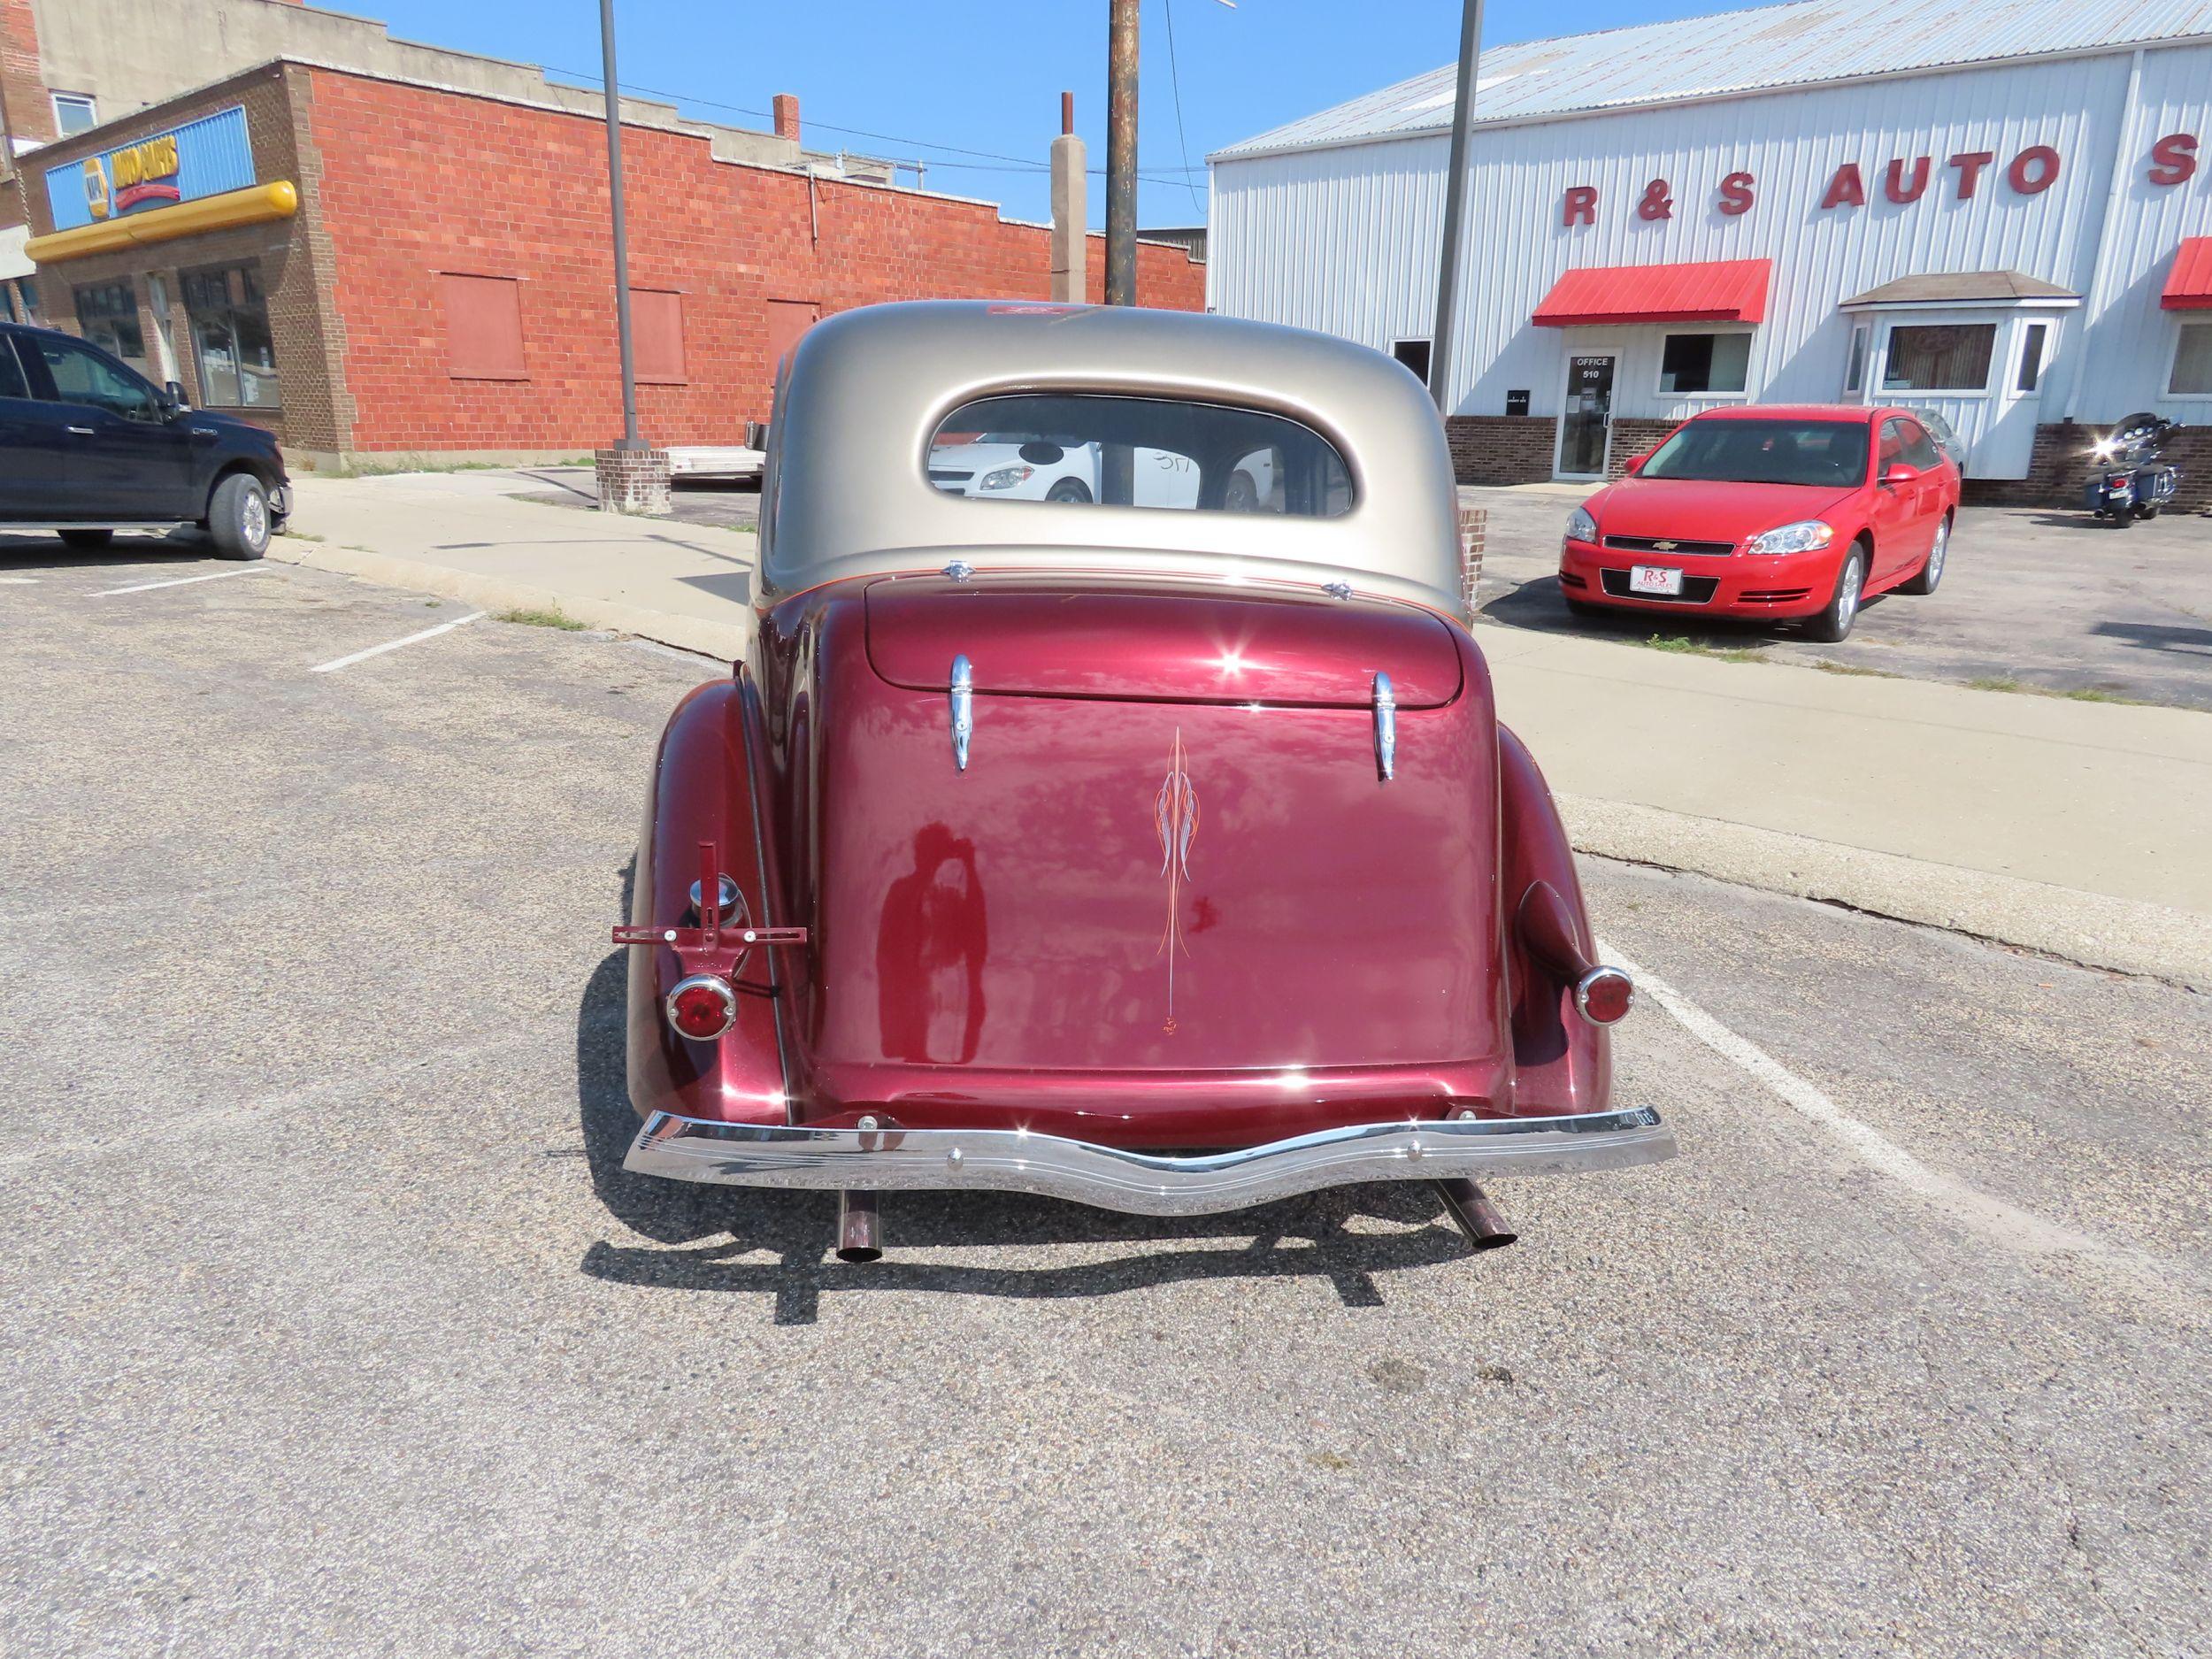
[2173,362]
[1659,362]
[1999,363]
[1862,345]
[91,106]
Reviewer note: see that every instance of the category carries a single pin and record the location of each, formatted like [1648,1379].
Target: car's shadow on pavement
[728,1228]
[51,553]
[1536,607]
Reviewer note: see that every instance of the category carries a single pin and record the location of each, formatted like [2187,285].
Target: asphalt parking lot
[335,1326]
[2031,599]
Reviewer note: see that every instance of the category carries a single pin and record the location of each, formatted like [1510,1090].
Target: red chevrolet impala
[1779,511]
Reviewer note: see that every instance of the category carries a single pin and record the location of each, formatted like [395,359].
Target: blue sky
[976,77]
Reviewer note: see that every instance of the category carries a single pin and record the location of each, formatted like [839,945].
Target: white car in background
[1017,466]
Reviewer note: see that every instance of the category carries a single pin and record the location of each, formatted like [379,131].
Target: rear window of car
[1084,449]
[1763,452]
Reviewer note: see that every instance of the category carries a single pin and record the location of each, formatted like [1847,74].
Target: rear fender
[1561,1062]
[702,789]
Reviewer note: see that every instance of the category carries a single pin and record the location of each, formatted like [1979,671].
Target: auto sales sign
[204,157]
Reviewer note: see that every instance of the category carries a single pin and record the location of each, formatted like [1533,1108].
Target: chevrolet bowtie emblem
[1664,547]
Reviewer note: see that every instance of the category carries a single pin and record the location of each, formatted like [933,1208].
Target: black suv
[88,448]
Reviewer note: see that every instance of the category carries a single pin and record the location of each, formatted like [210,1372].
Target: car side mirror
[1042,454]
[173,400]
[1636,462]
[1898,473]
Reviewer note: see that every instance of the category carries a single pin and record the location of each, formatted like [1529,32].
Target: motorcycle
[2127,480]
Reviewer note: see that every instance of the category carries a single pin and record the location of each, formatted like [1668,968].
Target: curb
[2092,929]
[725,640]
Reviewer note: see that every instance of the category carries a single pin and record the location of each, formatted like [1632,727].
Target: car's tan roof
[867,390]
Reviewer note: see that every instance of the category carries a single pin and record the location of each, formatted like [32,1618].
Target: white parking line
[181,581]
[379,650]
[2007,1225]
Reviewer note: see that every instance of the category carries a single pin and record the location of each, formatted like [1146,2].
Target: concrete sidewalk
[2083,830]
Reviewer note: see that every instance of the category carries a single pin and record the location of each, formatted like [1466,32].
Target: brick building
[411,255]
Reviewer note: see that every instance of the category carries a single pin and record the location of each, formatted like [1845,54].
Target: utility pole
[1455,202]
[630,439]
[1121,155]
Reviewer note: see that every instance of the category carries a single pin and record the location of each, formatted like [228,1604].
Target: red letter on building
[1582,205]
[1657,203]
[2034,170]
[1970,164]
[1847,188]
[1735,193]
[1893,185]
[2174,159]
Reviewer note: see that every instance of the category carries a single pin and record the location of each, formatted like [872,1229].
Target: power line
[1009,164]
[1175,85]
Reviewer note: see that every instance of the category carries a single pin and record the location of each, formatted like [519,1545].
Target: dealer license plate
[1655,578]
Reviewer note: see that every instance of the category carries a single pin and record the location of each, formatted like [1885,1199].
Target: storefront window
[1945,357]
[2193,362]
[108,317]
[1705,363]
[230,329]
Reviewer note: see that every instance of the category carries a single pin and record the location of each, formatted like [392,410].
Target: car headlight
[1581,527]
[1005,478]
[1803,537]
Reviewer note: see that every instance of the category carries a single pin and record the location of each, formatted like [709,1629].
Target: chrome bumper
[1001,1160]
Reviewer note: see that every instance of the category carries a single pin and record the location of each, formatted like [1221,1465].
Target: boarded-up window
[656,335]
[483,328]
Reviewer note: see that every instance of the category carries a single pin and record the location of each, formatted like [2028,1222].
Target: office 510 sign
[200,159]
[2173,160]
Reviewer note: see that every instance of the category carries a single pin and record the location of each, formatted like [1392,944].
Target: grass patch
[535,619]
[411,464]
[301,535]
[1827,667]
[2079,693]
[1680,646]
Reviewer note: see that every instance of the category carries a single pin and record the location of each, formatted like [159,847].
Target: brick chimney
[787,108]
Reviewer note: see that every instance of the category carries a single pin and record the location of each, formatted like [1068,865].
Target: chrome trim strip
[1386,728]
[962,710]
[1005,1160]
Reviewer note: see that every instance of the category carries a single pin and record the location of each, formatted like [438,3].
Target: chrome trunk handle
[962,710]
[1386,728]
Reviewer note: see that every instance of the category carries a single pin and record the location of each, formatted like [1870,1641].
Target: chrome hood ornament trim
[962,710]
[1386,728]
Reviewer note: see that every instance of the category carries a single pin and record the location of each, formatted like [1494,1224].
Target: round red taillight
[1604,994]
[702,1007]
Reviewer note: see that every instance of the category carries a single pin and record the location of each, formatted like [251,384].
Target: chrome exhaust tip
[1474,1215]
[859,1230]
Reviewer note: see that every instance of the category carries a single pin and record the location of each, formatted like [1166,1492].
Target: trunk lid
[1153,864]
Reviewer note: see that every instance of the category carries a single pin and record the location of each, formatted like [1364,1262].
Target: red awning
[1710,291]
[2189,284]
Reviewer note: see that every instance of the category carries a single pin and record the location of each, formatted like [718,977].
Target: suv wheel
[238,516]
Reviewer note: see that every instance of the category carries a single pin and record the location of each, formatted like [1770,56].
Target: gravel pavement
[334,1326]
[2031,599]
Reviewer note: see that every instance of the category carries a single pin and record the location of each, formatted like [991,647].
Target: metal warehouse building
[2001,212]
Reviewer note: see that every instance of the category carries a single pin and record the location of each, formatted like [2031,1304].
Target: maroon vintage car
[1156,848]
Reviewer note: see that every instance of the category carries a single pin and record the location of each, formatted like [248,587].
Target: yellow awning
[250,206]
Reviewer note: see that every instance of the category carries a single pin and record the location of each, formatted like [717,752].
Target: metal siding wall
[2128,340]
[1345,240]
